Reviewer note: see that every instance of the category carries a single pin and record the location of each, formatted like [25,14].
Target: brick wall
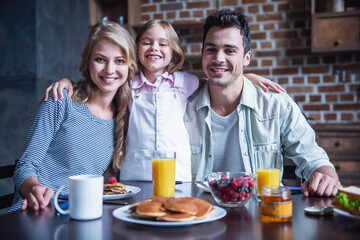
[281,51]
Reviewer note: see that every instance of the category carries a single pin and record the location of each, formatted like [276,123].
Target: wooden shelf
[114,9]
[336,14]
[176,24]
[342,144]
[334,31]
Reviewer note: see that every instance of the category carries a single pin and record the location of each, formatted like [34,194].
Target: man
[229,118]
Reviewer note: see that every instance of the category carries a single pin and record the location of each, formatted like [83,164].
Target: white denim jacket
[266,121]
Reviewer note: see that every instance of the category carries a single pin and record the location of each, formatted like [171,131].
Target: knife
[115,202]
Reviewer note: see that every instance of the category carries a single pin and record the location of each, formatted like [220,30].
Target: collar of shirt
[248,95]
[140,80]
[204,100]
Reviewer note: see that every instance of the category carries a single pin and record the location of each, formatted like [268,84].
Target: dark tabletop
[239,223]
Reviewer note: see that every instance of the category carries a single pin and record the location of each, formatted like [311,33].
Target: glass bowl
[231,189]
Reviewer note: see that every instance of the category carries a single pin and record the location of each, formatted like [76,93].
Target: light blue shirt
[267,121]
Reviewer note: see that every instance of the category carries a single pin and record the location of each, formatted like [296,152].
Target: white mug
[73,229]
[85,197]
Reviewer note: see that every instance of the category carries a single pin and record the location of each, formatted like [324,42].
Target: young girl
[158,102]
[159,96]
[64,137]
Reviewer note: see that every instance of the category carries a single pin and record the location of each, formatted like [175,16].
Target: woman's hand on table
[37,196]
[46,213]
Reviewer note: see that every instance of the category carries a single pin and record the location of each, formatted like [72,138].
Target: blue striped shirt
[65,139]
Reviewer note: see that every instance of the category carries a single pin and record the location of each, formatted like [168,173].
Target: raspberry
[233,185]
[226,197]
[242,194]
[251,183]
[112,180]
[229,191]
[235,195]
[239,182]
[246,183]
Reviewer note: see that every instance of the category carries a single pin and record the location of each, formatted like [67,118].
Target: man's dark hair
[227,18]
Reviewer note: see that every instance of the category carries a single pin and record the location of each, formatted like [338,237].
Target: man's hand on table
[323,182]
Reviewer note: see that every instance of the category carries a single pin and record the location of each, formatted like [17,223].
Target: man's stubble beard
[233,78]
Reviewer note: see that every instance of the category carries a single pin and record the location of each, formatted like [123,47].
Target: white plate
[341,212]
[131,192]
[206,189]
[123,213]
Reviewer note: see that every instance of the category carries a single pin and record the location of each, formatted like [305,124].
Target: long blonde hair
[84,89]
[178,58]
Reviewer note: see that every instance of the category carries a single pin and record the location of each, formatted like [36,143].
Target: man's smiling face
[223,56]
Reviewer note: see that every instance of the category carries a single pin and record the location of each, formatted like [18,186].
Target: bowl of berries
[231,189]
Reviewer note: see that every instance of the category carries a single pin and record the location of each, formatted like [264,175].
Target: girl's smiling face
[108,66]
[154,51]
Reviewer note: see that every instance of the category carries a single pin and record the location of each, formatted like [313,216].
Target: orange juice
[163,174]
[267,176]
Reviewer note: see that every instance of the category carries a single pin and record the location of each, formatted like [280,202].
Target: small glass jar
[276,204]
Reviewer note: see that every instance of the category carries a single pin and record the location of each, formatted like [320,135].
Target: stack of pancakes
[114,188]
[172,209]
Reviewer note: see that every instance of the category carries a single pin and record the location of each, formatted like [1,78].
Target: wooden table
[239,223]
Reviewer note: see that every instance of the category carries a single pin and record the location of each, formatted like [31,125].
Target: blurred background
[309,47]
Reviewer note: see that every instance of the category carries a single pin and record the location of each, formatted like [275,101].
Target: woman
[76,136]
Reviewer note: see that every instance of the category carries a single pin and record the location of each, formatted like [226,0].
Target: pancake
[176,217]
[150,209]
[114,188]
[134,206]
[134,214]
[204,208]
[182,205]
[171,209]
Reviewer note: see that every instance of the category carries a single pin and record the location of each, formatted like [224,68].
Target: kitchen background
[311,49]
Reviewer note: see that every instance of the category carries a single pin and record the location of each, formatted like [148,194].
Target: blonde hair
[84,89]
[178,59]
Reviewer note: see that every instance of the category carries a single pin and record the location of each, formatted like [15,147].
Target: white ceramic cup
[73,229]
[85,197]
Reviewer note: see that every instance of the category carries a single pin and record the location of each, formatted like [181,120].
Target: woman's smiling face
[108,66]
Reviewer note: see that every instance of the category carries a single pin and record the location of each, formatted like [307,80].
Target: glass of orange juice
[163,173]
[267,164]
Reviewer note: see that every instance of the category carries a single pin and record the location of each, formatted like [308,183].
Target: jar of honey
[276,204]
